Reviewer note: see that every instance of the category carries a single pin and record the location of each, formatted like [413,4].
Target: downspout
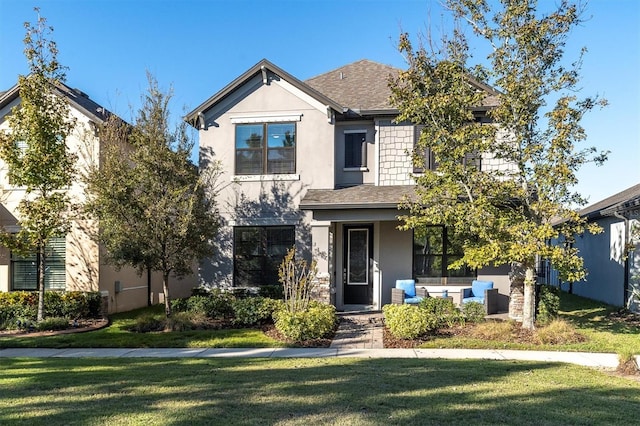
[627,241]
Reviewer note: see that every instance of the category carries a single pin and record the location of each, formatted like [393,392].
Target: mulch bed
[81,326]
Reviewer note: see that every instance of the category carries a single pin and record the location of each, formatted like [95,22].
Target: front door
[357,266]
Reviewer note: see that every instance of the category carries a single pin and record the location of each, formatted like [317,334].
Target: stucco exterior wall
[352,176]
[263,200]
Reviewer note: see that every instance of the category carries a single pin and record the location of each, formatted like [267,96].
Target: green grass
[116,335]
[335,391]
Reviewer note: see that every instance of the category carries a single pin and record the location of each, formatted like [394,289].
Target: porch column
[321,238]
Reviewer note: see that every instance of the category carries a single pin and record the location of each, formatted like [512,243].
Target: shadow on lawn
[596,315]
[310,391]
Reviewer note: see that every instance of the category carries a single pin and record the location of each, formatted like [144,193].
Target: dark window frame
[25,269]
[355,157]
[266,255]
[443,255]
[266,166]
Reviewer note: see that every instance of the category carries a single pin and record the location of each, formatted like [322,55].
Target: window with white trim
[355,149]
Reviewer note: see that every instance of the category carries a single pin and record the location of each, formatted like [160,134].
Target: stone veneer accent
[396,143]
[321,291]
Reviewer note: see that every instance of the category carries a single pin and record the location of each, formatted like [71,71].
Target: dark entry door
[357,266]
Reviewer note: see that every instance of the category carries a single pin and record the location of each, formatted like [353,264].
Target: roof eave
[257,68]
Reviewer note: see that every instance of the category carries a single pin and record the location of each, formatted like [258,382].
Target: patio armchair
[405,291]
[482,292]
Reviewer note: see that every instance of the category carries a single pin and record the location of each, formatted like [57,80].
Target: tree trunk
[41,270]
[516,291]
[529,308]
[149,301]
[165,289]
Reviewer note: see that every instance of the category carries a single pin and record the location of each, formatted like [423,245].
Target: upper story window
[265,148]
[425,155]
[355,149]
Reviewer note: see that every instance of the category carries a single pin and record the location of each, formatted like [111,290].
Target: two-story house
[321,164]
[75,262]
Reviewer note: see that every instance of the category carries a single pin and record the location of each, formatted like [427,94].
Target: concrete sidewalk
[597,360]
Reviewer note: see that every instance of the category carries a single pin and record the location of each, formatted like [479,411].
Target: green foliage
[69,305]
[253,310]
[53,323]
[271,291]
[297,278]
[35,151]
[549,304]
[504,214]
[147,323]
[156,210]
[215,304]
[473,312]
[445,313]
[317,321]
[408,321]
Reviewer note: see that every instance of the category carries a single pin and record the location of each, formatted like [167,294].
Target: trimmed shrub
[548,305]
[444,312]
[253,310]
[407,321]
[216,304]
[473,312]
[271,291]
[184,321]
[317,321]
[53,323]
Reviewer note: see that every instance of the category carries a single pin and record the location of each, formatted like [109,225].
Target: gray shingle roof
[628,199]
[359,86]
[361,196]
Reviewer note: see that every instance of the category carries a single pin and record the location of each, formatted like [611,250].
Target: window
[258,253]
[355,149]
[265,148]
[427,159]
[24,270]
[434,249]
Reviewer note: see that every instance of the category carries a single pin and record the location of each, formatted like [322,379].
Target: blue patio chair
[482,292]
[405,291]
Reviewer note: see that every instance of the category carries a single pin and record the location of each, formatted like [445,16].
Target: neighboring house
[75,262]
[323,165]
[611,257]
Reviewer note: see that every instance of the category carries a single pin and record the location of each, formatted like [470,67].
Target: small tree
[155,210]
[298,279]
[36,154]
[506,213]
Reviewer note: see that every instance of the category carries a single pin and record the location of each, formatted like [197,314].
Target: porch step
[359,331]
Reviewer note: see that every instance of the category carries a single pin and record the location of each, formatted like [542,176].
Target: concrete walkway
[359,335]
[598,360]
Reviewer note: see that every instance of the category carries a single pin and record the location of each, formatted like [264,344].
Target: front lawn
[117,335]
[601,325]
[335,391]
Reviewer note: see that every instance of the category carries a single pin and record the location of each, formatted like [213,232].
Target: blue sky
[199,46]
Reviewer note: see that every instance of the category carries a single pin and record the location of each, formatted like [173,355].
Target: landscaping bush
[185,321]
[558,332]
[71,305]
[407,321]
[548,305]
[275,292]
[215,304]
[473,312]
[445,313]
[147,323]
[253,310]
[53,323]
[317,321]
[495,330]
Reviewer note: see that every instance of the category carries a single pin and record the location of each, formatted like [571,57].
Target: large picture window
[434,249]
[258,253]
[24,269]
[265,148]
